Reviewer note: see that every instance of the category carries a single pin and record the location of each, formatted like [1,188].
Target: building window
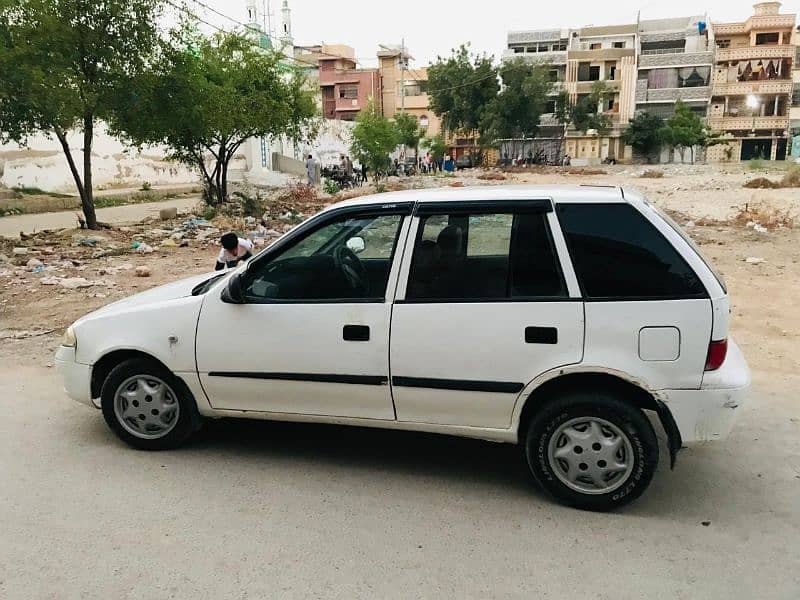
[550,106]
[619,44]
[552,75]
[722,44]
[348,91]
[588,72]
[519,50]
[424,122]
[767,39]
[595,46]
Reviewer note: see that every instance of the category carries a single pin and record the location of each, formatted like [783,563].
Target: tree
[436,146]
[206,96]
[685,129]
[585,114]
[62,64]
[643,134]
[408,130]
[374,138]
[516,111]
[461,88]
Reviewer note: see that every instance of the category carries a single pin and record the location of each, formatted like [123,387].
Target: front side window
[462,257]
[619,254]
[346,259]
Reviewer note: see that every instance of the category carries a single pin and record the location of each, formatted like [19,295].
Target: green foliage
[205,96]
[756,164]
[685,129]
[461,88]
[146,187]
[35,191]
[62,66]
[584,114]
[374,137]
[517,109]
[409,132]
[436,145]
[643,134]
[330,187]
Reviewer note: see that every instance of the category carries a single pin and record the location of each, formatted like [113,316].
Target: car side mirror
[356,244]
[233,293]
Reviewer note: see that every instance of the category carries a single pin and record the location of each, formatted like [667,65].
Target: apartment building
[405,88]
[794,111]
[345,88]
[752,85]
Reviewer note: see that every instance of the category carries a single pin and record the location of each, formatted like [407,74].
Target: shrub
[756,164]
[330,187]
[652,174]
[764,215]
[146,187]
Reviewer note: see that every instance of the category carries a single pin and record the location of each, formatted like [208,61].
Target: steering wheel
[346,261]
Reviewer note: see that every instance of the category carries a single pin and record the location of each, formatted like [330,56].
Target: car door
[483,308]
[312,335]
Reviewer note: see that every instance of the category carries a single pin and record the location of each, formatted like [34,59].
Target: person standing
[363,171]
[311,171]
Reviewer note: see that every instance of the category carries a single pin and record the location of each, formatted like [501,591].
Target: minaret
[252,13]
[285,35]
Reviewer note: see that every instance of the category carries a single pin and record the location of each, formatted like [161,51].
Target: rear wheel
[147,406]
[591,450]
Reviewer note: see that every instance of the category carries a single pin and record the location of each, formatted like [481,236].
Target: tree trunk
[62,138]
[87,199]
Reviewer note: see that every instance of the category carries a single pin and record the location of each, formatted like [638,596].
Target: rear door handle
[541,335]
[355,333]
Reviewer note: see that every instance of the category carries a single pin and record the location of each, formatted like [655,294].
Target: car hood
[162,293]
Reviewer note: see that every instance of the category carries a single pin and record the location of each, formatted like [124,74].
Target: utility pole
[403,75]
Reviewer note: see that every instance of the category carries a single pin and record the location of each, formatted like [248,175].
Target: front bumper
[709,413]
[77,377]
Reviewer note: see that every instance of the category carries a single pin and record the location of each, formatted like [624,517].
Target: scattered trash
[38,269]
[74,283]
[754,260]
[8,334]
[705,523]
[143,249]
[50,280]
[142,271]
[169,243]
[34,262]
[20,251]
[760,228]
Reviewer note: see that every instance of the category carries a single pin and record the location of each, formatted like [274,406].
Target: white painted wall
[43,164]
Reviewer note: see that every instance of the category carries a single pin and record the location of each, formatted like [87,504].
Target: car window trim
[401,209]
[477,207]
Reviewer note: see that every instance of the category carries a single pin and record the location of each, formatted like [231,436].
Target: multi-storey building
[405,88]
[794,111]
[606,54]
[752,85]
[345,88]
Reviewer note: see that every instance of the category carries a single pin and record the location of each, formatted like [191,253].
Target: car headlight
[69,338]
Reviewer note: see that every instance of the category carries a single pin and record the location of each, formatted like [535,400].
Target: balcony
[347,104]
[679,59]
[746,123]
[757,22]
[601,54]
[585,87]
[754,53]
[420,101]
[745,88]
[543,58]
[688,94]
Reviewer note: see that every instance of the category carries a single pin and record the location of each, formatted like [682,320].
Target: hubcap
[591,455]
[146,407]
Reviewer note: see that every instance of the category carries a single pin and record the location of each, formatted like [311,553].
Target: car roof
[558,193]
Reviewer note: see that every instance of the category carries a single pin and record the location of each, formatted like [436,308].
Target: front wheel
[591,450]
[147,406]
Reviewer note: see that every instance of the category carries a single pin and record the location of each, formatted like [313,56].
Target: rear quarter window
[619,254]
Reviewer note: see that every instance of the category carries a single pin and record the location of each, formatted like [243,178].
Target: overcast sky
[433,27]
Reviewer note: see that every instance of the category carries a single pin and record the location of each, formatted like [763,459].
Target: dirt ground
[724,524]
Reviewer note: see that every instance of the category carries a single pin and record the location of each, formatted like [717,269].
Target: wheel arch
[618,383]
[104,366]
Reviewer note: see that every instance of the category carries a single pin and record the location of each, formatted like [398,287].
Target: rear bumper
[77,377]
[709,413]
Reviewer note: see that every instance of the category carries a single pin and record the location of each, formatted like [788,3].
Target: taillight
[717,351]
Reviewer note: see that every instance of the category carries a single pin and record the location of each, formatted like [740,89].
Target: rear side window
[485,256]
[619,254]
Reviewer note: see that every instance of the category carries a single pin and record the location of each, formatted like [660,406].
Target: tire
[582,443]
[147,406]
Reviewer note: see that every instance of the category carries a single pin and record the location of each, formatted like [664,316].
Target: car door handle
[541,335]
[355,333]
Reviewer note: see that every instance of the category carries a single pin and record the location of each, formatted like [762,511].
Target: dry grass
[585,171]
[492,176]
[762,183]
[299,193]
[652,174]
[790,180]
[764,215]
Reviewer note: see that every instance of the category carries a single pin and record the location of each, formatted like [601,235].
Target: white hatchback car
[556,318]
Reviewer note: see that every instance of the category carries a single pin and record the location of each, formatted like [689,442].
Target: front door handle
[355,333]
[541,335]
